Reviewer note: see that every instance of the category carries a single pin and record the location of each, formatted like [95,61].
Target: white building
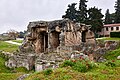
[110,28]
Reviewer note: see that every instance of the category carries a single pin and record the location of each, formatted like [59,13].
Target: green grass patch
[18,41]
[10,76]
[21,69]
[108,38]
[7,47]
[6,73]
[3,69]
[112,55]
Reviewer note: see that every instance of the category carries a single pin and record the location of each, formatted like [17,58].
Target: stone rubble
[23,77]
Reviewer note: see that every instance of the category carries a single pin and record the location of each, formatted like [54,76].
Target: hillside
[109,70]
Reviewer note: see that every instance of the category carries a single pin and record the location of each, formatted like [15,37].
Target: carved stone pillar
[49,45]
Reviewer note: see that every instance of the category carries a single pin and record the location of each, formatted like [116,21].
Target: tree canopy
[95,19]
[71,12]
[82,11]
[117,11]
[92,16]
[108,17]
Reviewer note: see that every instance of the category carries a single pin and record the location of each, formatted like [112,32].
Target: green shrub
[67,63]
[83,66]
[2,55]
[110,64]
[79,65]
[115,34]
[47,71]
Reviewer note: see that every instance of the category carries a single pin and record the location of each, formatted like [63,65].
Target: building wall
[107,29]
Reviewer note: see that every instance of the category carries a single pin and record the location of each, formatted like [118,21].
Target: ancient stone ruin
[49,36]
[48,43]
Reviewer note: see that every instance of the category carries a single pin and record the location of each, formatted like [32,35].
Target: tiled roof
[112,25]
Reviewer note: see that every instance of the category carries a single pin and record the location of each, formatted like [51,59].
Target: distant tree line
[93,15]
[22,34]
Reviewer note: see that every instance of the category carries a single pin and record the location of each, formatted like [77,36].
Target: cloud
[16,14]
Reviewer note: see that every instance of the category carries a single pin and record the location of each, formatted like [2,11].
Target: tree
[112,17]
[95,19]
[108,19]
[12,34]
[22,34]
[117,11]
[82,12]
[71,12]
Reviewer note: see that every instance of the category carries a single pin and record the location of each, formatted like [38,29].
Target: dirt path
[11,42]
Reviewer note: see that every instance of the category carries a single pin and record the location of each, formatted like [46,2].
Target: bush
[47,71]
[83,66]
[115,34]
[110,64]
[67,63]
[79,65]
[2,55]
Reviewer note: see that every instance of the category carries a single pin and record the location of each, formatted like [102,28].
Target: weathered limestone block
[11,63]
[20,60]
[118,57]
[78,55]
[38,67]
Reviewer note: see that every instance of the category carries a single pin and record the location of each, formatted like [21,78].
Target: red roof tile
[111,25]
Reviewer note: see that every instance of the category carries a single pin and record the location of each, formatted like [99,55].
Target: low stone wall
[21,60]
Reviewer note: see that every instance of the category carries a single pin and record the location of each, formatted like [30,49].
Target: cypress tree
[71,12]
[95,19]
[108,19]
[82,11]
[117,11]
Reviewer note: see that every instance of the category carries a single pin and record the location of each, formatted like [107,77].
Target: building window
[111,28]
[117,28]
[106,28]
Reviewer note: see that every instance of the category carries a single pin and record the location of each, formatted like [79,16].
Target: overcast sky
[16,14]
